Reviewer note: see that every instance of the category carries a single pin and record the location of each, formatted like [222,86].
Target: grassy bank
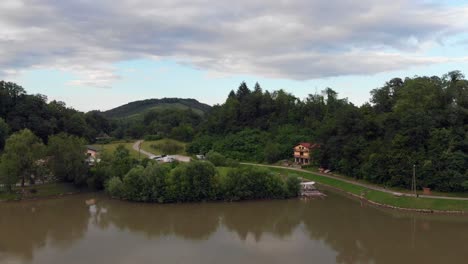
[382,197]
[39,191]
[147,146]
[110,147]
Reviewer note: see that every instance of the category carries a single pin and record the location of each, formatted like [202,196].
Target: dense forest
[19,110]
[420,121]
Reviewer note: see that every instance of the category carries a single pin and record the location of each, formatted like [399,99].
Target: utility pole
[414,180]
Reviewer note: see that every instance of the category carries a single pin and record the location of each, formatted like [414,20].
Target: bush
[157,177]
[293,186]
[194,181]
[216,158]
[115,187]
[199,181]
[135,185]
[253,183]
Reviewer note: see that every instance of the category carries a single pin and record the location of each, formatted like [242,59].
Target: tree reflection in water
[28,226]
[346,231]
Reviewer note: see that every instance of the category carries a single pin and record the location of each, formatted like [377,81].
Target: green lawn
[382,197]
[146,146]
[402,190]
[110,147]
[41,191]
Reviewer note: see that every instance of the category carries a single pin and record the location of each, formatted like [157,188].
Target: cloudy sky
[100,54]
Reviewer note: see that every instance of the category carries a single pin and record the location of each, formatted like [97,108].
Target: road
[180,158]
[146,153]
[372,187]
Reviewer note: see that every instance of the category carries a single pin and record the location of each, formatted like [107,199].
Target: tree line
[420,121]
[199,181]
[19,110]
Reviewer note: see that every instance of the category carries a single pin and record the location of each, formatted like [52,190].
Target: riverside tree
[67,158]
[21,158]
[4,130]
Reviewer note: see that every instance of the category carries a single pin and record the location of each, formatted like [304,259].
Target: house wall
[91,153]
[298,154]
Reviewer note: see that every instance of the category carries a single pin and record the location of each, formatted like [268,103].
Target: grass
[382,197]
[111,147]
[146,146]
[41,191]
[223,171]
[395,189]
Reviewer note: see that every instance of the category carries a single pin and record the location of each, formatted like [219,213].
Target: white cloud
[301,39]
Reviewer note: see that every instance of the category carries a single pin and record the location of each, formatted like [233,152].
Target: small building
[92,155]
[302,153]
[92,151]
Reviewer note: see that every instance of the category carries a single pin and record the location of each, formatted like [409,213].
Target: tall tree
[21,157]
[67,158]
[4,130]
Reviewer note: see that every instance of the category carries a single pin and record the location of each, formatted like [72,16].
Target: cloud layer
[300,40]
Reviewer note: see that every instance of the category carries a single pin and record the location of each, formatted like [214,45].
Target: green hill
[137,108]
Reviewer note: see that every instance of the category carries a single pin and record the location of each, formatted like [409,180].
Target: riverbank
[40,191]
[381,198]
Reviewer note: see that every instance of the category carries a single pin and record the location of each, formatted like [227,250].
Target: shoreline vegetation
[379,198]
[124,177]
[200,181]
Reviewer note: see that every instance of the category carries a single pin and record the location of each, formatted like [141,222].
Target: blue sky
[99,56]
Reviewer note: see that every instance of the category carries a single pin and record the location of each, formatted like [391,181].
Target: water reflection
[27,226]
[333,230]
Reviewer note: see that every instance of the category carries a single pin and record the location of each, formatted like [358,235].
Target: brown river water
[334,230]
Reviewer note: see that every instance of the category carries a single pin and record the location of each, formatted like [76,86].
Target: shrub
[157,175]
[293,186]
[114,187]
[253,183]
[216,158]
[135,185]
[194,181]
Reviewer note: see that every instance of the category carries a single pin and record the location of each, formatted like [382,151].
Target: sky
[102,54]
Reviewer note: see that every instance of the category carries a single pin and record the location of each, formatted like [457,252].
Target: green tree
[121,162]
[22,154]
[67,158]
[216,158]
[4,131]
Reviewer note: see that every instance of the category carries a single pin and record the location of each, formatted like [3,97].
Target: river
[334,230]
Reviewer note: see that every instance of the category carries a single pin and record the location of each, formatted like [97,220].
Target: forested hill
[20,110]
[138,108]
[420,121]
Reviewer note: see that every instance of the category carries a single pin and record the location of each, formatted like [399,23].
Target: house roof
[309,145]
[93,148]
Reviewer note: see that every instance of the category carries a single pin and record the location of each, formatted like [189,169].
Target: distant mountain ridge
[136,108]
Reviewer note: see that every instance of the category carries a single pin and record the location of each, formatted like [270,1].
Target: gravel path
[180,158]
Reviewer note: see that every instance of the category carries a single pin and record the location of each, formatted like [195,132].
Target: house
[302,153]
[92,151]
[92,155]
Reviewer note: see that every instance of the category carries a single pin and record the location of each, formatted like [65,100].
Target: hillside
[138,107]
